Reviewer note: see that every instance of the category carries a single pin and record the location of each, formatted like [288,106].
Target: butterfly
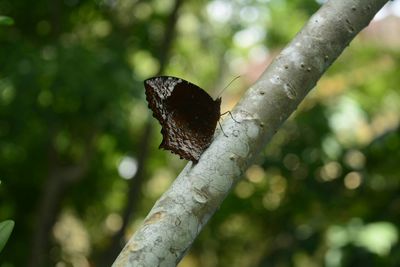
[187,114]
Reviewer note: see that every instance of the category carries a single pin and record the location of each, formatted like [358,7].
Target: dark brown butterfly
[187,114]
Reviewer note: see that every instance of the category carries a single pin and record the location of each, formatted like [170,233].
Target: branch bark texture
[179,215]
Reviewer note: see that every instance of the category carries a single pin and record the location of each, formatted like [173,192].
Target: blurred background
[79,164]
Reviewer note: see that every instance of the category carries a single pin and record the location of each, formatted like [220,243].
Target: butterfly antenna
[220,93]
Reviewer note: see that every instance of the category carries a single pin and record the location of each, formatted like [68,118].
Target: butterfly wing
[187,114]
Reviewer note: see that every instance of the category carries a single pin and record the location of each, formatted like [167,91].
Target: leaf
[4,20]
[6,228]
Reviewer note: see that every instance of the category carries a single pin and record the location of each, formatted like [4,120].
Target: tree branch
[180,214]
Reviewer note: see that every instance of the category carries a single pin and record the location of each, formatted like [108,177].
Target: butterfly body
[187,114]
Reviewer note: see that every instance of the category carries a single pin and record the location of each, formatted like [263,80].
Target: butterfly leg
[222,129]
[228,112]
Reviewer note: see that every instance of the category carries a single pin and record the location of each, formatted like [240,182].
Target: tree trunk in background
[57,183]
[179,215]
[135,184]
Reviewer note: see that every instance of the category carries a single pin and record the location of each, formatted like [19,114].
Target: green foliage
[6,228]
[7,21]
[72,107]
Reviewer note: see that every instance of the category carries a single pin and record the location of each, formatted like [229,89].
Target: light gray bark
[181,212]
